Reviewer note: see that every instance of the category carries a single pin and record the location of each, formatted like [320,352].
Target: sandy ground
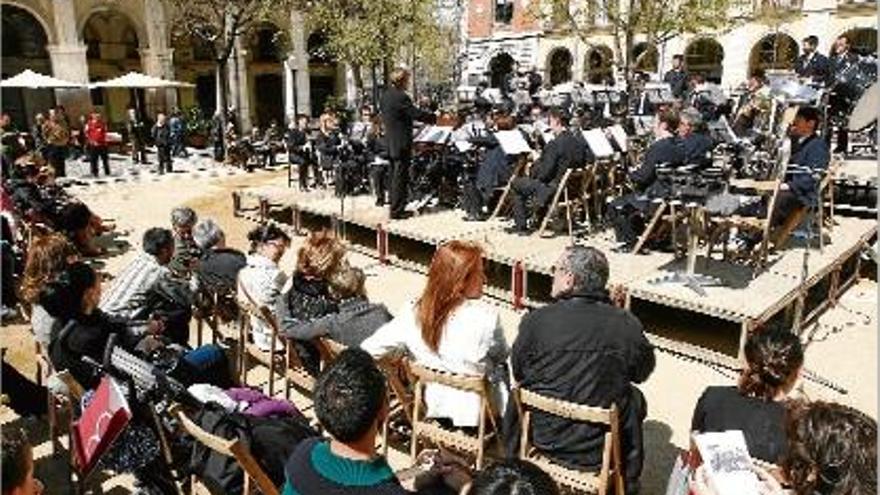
[844,352]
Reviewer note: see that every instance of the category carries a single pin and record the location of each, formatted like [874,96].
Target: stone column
[158,59]
[69,60]
[239,94]
[298,63]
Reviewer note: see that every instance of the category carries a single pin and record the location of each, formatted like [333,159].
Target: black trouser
[138,151]
[56,155]
[164,152]
[627,215]
[219,152]
[525,190]
[177,147]
[96,152]
[302,167]
[380,175]
[399,184]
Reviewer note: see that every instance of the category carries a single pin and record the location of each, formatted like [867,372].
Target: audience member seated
[82,329]
[218,265]
[260,282]
[186,252]
[584,350]
[450,329]
[832,450]
[513,477]
[48,256]
[18,464]
[351,405]
[628,212]
[355,318]
[146,288]
[757,405]
[563,152]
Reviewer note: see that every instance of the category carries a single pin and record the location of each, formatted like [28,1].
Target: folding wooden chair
[570,194]
[231,448]
[768,191]
[610,473]
[519,170]
[285,362]
[437,434]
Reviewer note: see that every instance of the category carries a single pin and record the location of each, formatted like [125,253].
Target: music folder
[619,136]
[512,142]
[598,143]
[101,423]
[434,134]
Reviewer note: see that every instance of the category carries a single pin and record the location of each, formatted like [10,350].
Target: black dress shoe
[402,216]
[472,217]
[518,231]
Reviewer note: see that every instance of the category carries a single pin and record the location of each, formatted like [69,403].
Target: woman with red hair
[449,328]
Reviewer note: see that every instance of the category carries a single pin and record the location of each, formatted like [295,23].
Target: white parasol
[138,80]
[35,80]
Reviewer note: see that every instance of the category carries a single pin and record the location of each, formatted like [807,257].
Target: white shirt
[263,281]
[472,344]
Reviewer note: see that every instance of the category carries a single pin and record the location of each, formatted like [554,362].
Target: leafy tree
[378,33]
[657,21]
[217,24]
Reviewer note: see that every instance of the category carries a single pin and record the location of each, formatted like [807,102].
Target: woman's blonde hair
[320,256]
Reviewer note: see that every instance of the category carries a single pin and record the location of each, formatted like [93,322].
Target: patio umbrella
[142,81]
[35,80]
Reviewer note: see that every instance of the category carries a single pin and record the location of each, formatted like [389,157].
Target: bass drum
[865,110]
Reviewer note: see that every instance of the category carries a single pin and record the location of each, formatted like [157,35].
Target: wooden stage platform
[519,268]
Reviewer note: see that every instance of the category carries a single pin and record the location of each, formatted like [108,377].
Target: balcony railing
[765,6]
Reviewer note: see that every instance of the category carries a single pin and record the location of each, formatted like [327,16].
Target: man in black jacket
[398,114]
[565,151]
[811,64]
[584,350]
[677,77]
[628,211]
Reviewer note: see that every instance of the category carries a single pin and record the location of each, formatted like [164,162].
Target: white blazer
[472,344]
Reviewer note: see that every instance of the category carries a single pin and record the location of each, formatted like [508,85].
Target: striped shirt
[128,294]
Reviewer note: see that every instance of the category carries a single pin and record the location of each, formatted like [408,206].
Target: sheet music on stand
[434,134]
[463,146]
[512,142]
[598,143]
[620,137]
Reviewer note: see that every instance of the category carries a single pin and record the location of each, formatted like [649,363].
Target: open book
[727,462]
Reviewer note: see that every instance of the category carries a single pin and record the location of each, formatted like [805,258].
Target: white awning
[35,80]
[138,80]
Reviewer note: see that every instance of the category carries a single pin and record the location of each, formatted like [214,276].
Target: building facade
[93,40]
[504,33]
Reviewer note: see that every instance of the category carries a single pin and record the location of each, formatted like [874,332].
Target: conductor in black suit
[398,114]
[811,64]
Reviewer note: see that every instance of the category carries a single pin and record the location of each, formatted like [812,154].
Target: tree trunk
[358,82]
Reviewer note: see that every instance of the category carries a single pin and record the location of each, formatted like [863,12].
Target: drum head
[865,111]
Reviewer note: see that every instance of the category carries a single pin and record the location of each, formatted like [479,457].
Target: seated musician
[695,141]
[628,212]
[327,145]
[296,140]
[809,156]
[271,137]
[757,105]
[493,171]
[563,152]
[811,64]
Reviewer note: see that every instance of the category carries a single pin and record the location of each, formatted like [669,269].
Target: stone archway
[113,46]
[775,51]
[500,66]
[266,46]
[24,47]
[559,64]
[599,65]
[645,57]
[705,56]
[323,72]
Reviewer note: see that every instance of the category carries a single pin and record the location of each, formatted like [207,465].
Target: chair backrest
[529,401]
[231,448]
